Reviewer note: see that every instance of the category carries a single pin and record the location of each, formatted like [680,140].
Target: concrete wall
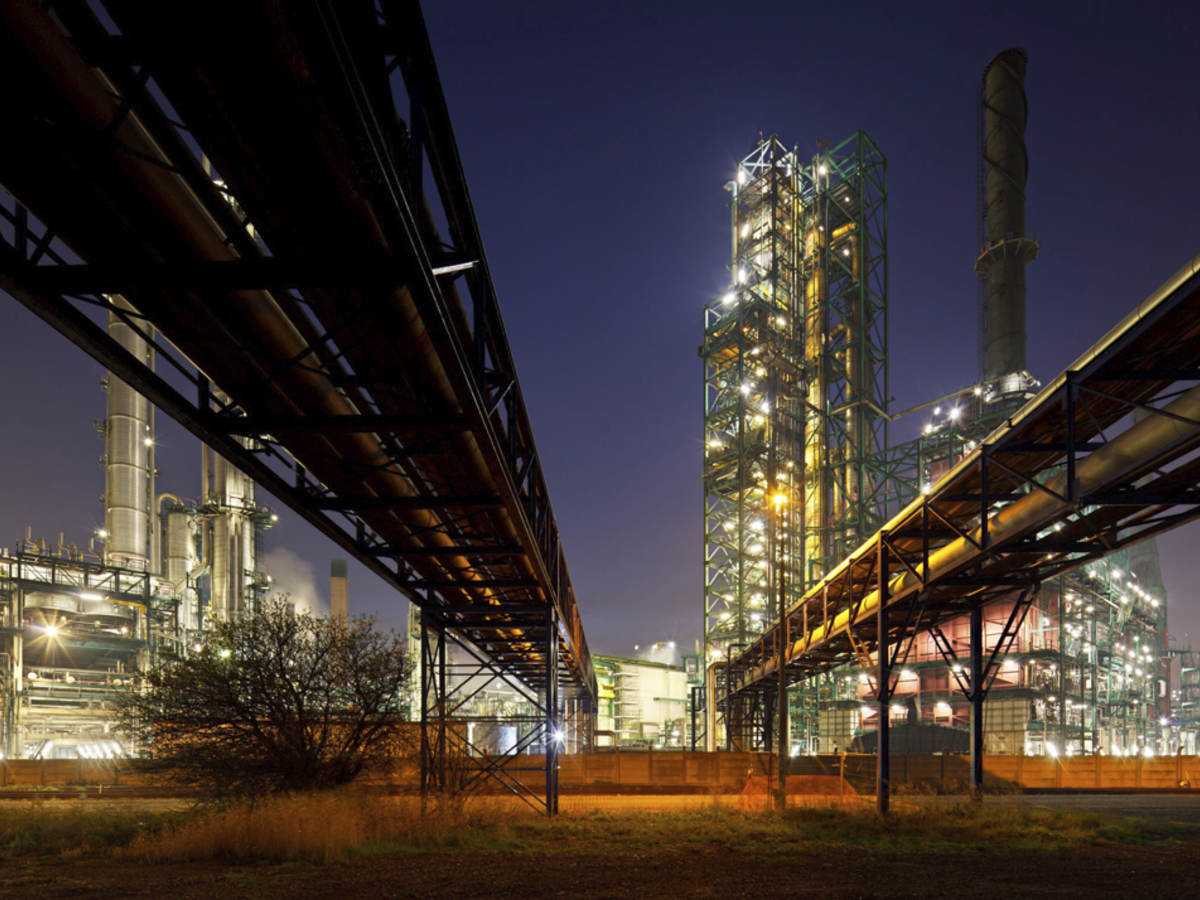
[720,772]
[641,770]
[58,772]
[727,772]
[1082,772]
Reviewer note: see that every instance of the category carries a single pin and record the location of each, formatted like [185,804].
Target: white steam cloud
[293,576]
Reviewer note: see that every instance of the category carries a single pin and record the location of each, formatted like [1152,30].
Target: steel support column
[552,731]
[976,697]
[883,678]
[433,681]
[781,702]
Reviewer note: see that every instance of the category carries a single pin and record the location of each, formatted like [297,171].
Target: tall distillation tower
[204,554]
[795,385]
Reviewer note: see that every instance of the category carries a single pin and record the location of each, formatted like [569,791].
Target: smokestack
[339,591]
[1006,250]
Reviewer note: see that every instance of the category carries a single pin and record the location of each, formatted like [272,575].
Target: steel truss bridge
[276,191]
[1104,456]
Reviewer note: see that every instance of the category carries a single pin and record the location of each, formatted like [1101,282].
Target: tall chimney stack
[1006,250]
[339,591]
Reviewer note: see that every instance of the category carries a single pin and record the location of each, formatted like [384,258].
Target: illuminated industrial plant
[795,382]
[81,622]
[795,361]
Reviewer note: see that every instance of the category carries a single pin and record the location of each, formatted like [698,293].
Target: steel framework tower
[795,384]
[844,195]
[754,416]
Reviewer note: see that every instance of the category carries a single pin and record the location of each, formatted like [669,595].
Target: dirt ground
[1098,872]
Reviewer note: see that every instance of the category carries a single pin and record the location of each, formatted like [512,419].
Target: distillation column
[128,457]
[816,338]
[230,537]
[179,560]
[1002,260]
[844,269]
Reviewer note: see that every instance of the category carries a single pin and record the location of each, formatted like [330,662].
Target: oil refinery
[308,295]
[798,472]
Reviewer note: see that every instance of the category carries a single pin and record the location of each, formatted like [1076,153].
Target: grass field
[345,844]
[326,827]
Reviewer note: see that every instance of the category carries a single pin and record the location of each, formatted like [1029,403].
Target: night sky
[596,139]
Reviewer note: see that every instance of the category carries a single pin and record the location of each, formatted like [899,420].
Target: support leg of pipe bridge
[976,698]
[883,681]
[553,733]
[433,721]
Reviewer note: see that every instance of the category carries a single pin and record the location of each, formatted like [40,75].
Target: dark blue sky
[596,139]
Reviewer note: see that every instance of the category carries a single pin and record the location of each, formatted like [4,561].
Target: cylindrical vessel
[219,599]
[127,442]
[179,554]
[232,532]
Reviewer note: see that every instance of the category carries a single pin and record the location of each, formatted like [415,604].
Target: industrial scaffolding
[795,384]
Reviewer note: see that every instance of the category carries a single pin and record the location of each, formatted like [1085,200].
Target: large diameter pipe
[1008,251]
[1125,455]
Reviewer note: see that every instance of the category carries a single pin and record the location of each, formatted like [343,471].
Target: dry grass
[330,826]
[324,826]
[78,827]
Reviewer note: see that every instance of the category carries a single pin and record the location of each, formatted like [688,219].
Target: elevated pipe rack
[276,191]
[1070,477]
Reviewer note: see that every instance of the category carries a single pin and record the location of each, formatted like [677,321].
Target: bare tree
[273,700]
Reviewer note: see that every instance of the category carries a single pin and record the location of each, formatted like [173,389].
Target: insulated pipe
[1126,455]
[1002,260]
